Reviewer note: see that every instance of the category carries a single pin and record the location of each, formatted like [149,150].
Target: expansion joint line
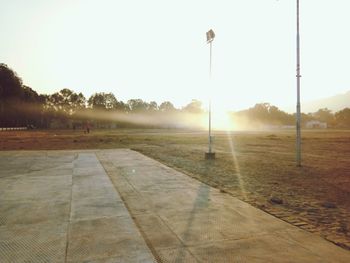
[70,210]
[143,234]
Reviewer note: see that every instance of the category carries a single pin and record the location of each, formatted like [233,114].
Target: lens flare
[236,166]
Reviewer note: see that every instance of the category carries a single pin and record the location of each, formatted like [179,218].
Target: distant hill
[334,103]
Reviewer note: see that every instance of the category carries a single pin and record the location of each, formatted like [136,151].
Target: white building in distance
[316,125]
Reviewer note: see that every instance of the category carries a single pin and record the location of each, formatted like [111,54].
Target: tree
[152,106]
[266,113]
[20,105]
[122,107]
[166,106]
[103,101]
[10,83]
[137,105]
[324,115]
[305,118]
[32,105]
[11,93]
[63,106]
[29,95]
[77,102]
[342,118]
[195,106]
[260,112]
[66,101]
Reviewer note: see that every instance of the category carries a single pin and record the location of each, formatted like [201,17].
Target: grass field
[257,167]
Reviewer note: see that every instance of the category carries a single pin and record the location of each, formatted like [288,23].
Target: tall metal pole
[210,147]
[210,155]
[298,121]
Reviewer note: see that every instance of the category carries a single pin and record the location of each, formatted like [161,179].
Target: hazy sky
[156,50]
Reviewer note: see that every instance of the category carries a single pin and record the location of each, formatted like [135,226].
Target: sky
[156,50]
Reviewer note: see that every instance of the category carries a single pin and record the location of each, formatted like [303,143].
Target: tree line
[267,114]
[21,106]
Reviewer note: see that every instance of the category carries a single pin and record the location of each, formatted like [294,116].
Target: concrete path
[62,207]
[120,206]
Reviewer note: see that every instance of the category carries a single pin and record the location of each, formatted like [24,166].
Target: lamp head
[210,36]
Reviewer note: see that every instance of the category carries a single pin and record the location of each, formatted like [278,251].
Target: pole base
[210,156]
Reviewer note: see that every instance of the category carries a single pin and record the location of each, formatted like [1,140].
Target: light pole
[210,155]
[298,121]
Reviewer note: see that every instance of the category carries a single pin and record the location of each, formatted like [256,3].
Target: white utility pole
[298,121]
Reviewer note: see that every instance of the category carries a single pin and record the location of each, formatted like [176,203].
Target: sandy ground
[257,167]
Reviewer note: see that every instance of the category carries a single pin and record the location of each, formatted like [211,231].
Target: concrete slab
[41,242]
[266,248]
[103,238]
[60,206]
[183,220]
[26,212]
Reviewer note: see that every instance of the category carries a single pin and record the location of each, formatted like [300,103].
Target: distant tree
[324,115]
[267,114]
[260,112]
[20,105]
[62,107]
[77,102]
[10,83]
[277,116]
[122,107]
[33,105]
[152,106]
[137,105]
[195,106]
[66,101]
[29,95]
[11,93]
[103,101]
[342,118]
[97,101]
[166,106]
[305,117]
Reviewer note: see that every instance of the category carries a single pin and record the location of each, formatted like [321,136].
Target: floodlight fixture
[210,36]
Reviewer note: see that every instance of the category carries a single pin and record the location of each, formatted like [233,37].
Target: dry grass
[254,166]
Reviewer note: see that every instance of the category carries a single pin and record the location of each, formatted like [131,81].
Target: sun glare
[221,121]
